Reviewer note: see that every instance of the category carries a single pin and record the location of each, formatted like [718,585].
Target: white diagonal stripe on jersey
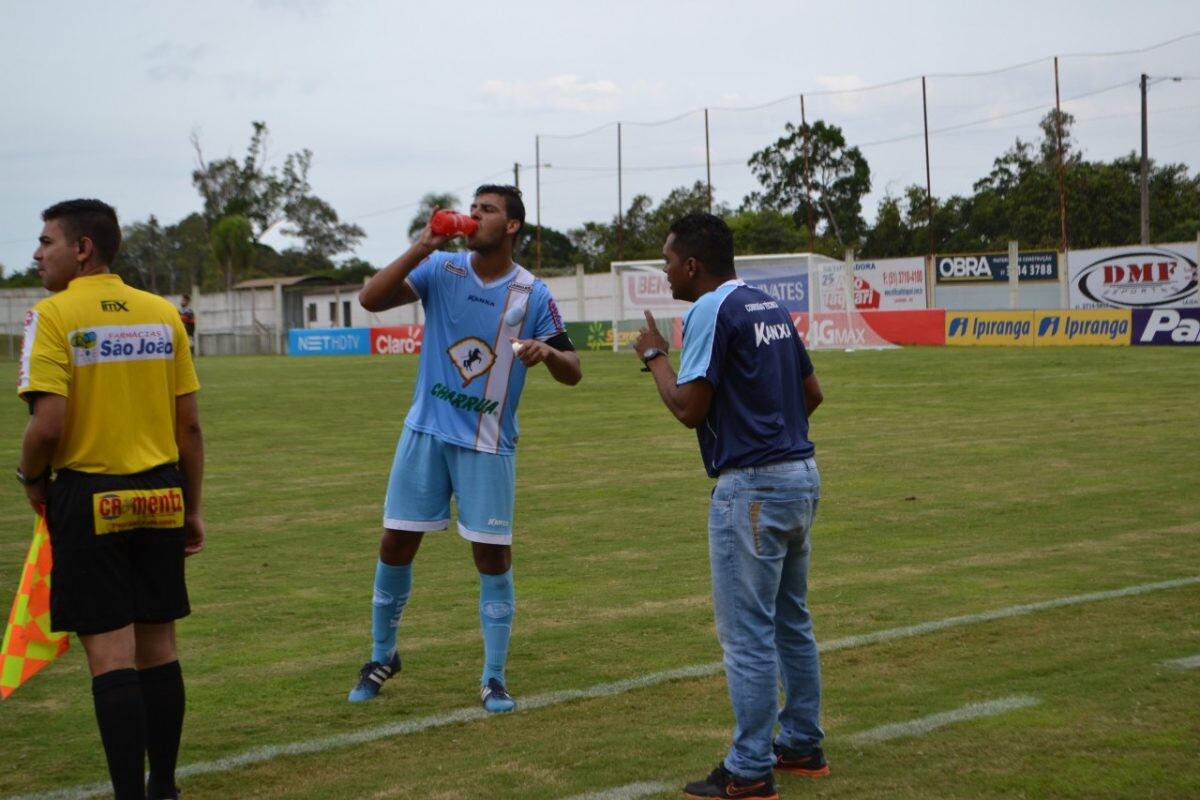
[487,433]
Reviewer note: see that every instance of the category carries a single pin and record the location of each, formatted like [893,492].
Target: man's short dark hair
[91,218]
[707,239]
[514,206]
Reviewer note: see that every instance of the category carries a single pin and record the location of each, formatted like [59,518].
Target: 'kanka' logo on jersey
[472,357]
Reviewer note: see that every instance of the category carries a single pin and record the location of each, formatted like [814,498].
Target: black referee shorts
[117,542]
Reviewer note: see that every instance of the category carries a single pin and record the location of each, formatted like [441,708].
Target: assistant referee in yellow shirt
[114,455]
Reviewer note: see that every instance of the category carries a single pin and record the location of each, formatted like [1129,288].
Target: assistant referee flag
[29,644]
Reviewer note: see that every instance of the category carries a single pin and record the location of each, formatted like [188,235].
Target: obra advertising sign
[1146,277]
[1036,265]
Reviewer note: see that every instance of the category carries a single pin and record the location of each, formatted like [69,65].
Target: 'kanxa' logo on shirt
[766,333]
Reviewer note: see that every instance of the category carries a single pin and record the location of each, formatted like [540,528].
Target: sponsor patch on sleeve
[127,509]
[555,316]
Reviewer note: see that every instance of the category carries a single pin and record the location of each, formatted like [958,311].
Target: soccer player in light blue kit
[747,386]
[461,431]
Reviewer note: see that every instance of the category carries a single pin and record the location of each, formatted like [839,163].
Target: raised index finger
[649,318]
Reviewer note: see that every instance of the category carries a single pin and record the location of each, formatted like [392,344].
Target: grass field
[958,483]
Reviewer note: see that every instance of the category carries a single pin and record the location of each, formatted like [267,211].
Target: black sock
[162,695]
[117,696]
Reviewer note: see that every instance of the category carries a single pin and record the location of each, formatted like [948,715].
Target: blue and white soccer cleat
[371,677]
[495,698]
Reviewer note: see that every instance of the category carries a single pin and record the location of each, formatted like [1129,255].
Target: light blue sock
[393,585]
[496,604]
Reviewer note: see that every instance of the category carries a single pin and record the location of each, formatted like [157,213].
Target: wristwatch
[28,481]
[649,355]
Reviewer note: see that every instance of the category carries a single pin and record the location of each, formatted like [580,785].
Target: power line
[889,84]
[795,97]
[417,203]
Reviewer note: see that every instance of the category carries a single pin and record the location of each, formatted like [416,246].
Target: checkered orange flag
[29,643]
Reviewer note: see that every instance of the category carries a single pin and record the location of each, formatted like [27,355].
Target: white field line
[630,792]
[1191,662]
[883,733]
[271,752]
[916,727]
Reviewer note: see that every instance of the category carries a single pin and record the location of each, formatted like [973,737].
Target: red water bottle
[450,223]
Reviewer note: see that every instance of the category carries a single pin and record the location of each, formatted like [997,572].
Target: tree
[558,251]
[314,222]
[890,236]
[681,200]
[839,178]
[762,232]
[643,228]
[168,260]
[354,270]
[186,252]
[16,279]
[141,258]
[265,196]
[232,248]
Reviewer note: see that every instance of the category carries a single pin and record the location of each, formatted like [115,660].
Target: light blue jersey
[469,382]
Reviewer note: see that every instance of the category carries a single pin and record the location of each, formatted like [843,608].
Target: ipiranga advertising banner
[1110,328]
[1083,327]
[1009,328]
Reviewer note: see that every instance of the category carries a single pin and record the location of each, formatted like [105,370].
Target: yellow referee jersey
[120,356]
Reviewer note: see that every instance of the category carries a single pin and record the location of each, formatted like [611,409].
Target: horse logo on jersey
[472,357]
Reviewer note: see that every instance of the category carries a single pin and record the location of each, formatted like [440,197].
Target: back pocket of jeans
[775,524]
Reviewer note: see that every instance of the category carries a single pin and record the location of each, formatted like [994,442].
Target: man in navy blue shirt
[746,385]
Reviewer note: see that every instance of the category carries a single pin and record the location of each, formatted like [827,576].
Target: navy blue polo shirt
[743,342]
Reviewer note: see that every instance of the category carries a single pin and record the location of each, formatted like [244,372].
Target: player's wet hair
[707,239]
[514,206]
[91,218]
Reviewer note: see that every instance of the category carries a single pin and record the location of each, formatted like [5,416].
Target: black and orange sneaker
[722,783]
[810,762]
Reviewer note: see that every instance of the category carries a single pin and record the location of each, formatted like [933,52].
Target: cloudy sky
[403,98]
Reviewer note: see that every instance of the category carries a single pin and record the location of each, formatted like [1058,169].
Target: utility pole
[1145,170]
[1145,181]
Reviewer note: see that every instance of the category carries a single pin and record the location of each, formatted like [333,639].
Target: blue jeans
[758,539]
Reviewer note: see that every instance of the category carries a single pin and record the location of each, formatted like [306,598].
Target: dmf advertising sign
[1133,277]
[1036,265]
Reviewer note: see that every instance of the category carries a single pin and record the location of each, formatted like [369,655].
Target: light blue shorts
[427,471]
